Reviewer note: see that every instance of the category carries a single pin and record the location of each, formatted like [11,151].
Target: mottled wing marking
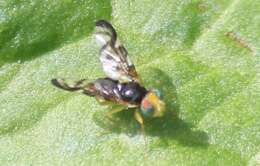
[116,63]
[80,86]
[103,89]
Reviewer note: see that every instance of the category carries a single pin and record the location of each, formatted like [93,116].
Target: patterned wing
[103,89]
[116,64]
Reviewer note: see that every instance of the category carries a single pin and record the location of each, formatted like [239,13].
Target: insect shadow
[170,127]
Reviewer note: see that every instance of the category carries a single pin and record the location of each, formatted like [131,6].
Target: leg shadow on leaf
[167,128]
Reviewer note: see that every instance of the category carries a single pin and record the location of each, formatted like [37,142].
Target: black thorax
[130,92]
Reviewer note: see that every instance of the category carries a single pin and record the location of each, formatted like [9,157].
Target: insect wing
[116,64]
[102,88]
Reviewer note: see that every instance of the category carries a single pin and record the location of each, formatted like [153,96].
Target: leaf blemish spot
[240,41]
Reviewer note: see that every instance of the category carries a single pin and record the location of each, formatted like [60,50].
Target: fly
[121,86]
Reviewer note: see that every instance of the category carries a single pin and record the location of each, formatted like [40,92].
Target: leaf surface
[203,55]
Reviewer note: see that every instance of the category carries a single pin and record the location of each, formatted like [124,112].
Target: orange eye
[145,104]
[147,108]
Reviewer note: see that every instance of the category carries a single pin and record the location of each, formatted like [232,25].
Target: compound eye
[147,108]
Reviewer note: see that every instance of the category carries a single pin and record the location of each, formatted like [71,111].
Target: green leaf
[204,55]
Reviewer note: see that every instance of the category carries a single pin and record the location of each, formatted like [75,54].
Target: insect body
[122,85]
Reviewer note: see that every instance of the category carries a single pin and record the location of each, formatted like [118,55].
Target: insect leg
[140,119]
[101,100]
[116,109]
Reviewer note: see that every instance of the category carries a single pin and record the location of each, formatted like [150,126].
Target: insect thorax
[130,92]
